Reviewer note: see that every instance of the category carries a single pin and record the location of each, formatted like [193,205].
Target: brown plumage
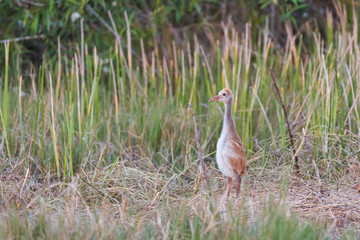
[230,153]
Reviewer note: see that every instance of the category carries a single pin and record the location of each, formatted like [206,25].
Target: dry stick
[102,193]
[312,158]
[100,19]
[287,123]
[22,38]
[199,148]
[266,148]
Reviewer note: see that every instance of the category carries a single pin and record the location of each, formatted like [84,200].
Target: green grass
[142,113]
[114,128]
[171,223]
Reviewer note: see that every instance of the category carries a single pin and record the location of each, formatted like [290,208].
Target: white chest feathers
[223,154]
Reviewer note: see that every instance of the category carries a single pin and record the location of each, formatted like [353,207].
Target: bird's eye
[224,94]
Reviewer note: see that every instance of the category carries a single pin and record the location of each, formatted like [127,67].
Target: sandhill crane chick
[230,153]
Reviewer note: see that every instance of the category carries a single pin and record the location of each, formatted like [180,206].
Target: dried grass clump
[129,196]
[339,206]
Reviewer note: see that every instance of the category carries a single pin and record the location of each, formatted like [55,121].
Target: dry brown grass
[130,195]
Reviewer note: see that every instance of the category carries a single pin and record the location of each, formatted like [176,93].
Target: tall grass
[118,105]
[112,131]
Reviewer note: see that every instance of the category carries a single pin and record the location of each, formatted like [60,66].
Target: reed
[143,101]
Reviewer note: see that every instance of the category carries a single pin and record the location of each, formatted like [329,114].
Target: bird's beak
[216,98]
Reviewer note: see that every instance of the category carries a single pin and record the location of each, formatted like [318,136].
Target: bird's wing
[237,155]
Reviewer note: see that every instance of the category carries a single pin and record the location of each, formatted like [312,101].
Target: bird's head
[224,96]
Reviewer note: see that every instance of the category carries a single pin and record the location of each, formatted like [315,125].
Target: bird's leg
[228,186]
[237,183]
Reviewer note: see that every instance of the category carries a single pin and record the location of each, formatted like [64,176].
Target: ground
[131,198]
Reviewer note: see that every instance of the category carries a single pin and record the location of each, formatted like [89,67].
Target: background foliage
[162,20]
[95,130]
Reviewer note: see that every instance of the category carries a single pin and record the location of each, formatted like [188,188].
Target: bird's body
[230,153]
[230,157]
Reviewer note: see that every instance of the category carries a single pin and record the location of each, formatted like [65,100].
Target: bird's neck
[229,125]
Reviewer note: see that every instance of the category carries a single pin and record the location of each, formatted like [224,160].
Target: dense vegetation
[96,136]
[160,22]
